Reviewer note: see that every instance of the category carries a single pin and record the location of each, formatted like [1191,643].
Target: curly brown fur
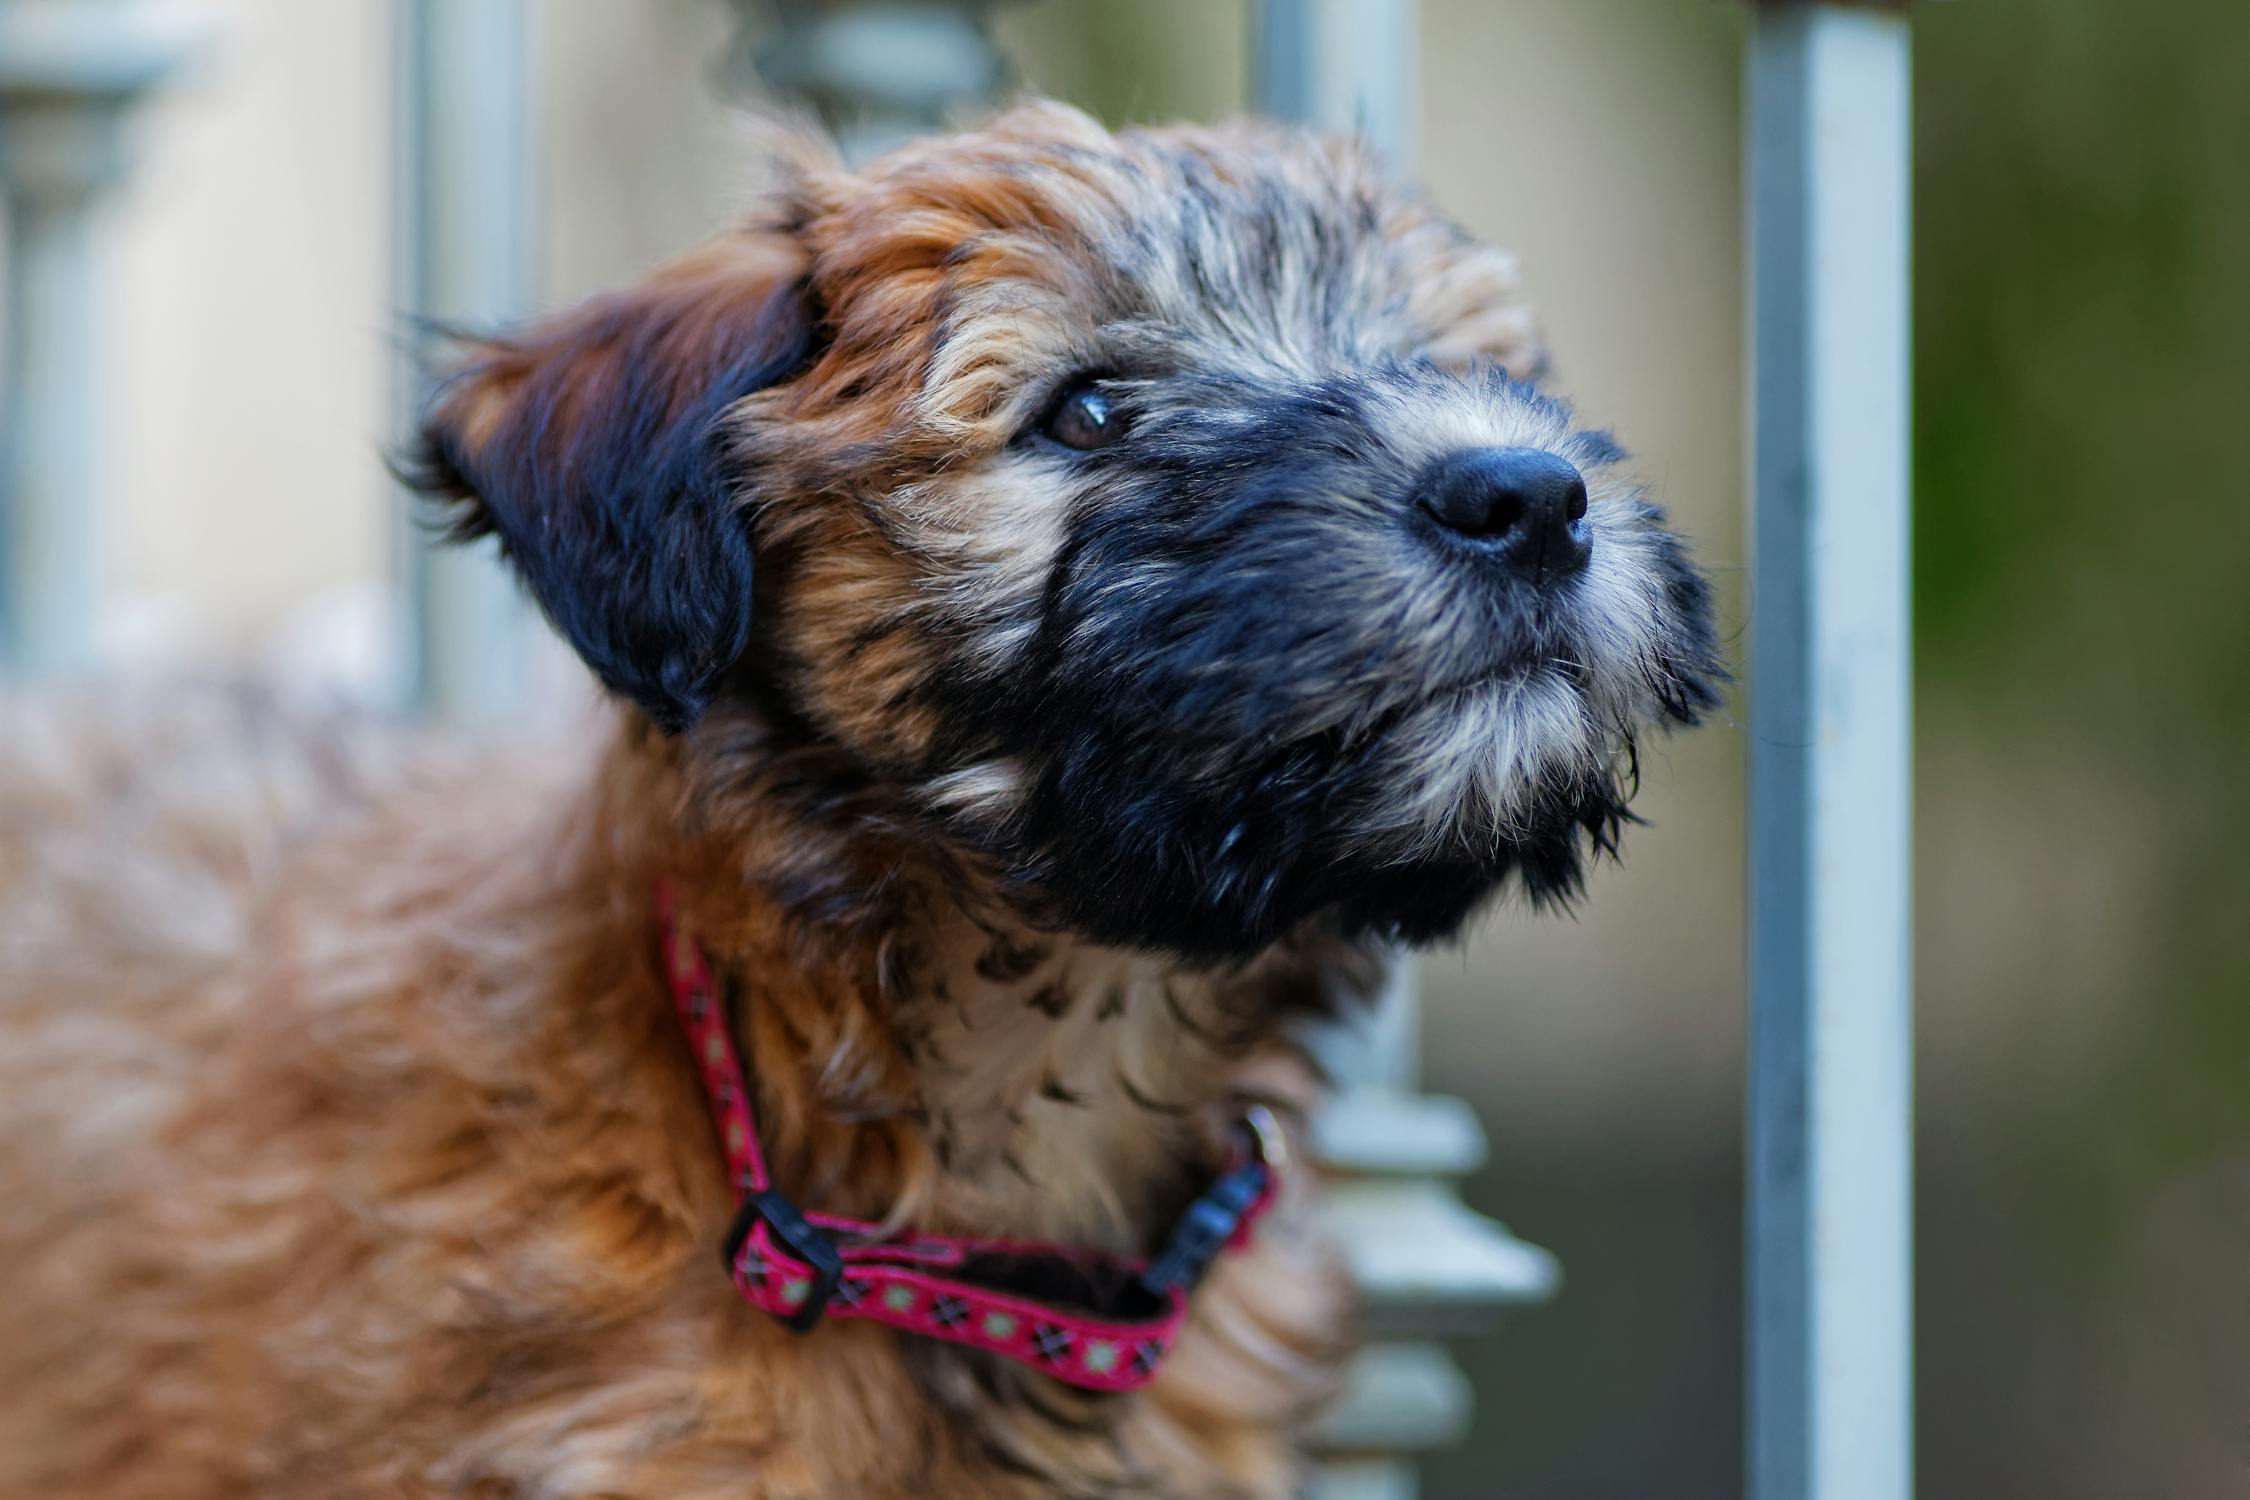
[1028,795]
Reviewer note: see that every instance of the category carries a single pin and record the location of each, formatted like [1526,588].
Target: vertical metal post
[464,257]
[68,76]
[1426,1267]
[878,72]
[54,487]
[1349,66]
[1343,65]
[1830,1106]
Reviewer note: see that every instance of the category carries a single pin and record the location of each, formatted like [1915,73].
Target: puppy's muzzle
[1524,507]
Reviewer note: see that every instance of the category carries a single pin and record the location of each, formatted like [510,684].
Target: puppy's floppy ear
[592,446]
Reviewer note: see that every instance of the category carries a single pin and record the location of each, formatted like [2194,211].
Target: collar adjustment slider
[798,1238]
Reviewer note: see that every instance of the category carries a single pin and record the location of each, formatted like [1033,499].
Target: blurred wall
[250,334]
[253,320]
[1599,141]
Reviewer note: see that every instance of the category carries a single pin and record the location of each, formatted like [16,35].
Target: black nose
[1523,505]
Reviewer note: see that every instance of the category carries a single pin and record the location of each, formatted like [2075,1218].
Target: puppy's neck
[918,1052]
[1073,1091]
[996,1081]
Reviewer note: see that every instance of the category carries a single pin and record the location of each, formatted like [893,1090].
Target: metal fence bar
[1830,1106]
[1426,1267]
[464,257]
[1343,65]
[51,568]
[1350,66]
[68,77]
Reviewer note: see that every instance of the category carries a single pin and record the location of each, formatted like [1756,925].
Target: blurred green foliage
[2082,429]
[2083,327]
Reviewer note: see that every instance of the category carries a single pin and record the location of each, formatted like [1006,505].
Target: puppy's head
[1165,521]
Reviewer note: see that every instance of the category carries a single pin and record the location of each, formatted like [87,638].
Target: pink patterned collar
[1086,1317]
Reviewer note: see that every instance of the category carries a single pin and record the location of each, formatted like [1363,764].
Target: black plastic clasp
[805,1241]
[1212,1219]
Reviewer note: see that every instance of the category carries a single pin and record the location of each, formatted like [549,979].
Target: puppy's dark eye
[1085,419]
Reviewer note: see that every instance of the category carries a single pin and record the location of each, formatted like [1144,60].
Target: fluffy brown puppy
[1072,596]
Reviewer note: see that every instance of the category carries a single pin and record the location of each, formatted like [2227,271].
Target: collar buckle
[1213,1220]
[795,1300]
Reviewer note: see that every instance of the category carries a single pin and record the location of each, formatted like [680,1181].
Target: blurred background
[2082,456]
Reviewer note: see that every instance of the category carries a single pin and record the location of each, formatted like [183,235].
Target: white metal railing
[876,72]
[1830,1109]
[1425,1266]
[69,74]
[464,256]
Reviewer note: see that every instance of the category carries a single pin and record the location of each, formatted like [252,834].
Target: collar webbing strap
[1084,1316]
